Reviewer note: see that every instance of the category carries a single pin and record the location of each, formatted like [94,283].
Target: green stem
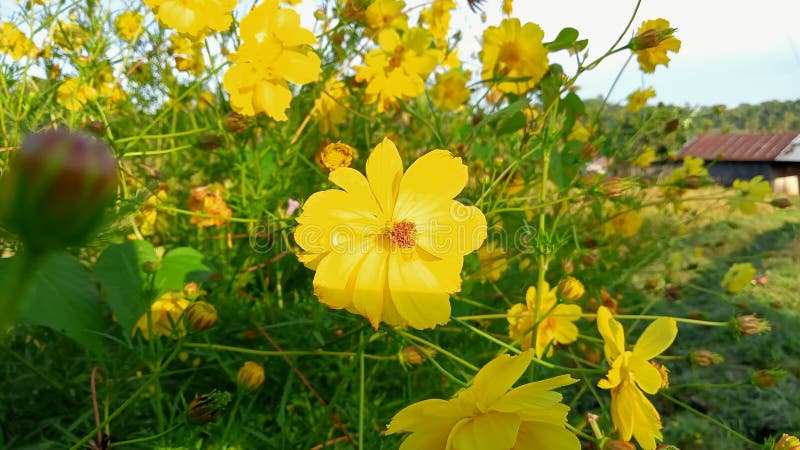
[711,419]
[146,438]
[438,349]
[361,388]
[232,417]
[250,351]
[15,289]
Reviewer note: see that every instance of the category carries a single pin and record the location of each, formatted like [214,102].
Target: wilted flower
[250,375]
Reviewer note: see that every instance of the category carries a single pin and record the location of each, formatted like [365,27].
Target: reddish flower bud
[251,375]
[202,315]
[205,407]
[705,357]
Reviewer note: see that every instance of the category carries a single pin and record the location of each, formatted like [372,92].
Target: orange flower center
[403,234]
[397,57]
[510,56]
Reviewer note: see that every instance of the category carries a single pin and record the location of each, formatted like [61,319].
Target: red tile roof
[739,147]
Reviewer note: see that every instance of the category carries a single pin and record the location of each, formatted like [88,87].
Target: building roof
[741,147]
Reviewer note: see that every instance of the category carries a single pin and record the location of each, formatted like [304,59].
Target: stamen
[404,234]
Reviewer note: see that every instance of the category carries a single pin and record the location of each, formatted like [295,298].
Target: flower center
[403,234]
[397,57]
[510,55]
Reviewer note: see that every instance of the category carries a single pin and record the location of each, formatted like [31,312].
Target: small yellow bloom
[14,42]
[437,18]
[164,317]
[494,260]
[579,133]
[750,193]
[450,92]
[738,277]
[513,50]
[555,322]
[631,373]
[330,109]
[491,415]
[69,36]
[336,155]
[646,157]
[638,99]
[129,25]
[73,94]
[654,39]
[390,245]
[571,289]
[209,200]
[787,442]
[382,14]
[626,222]
[508,7]
[147,218]
[188,53]
[250,375]
[194,17]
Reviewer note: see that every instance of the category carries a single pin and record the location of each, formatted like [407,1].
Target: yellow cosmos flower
[638,99]
[487,415]
[194,17]
[750,193]
[738,277]
[494,260]
[508,7]
[73,94]
[164,317]
[627,223]
[437,18]
[129,25]
[631,373]
[14,42]
[330,109]
[382,14]
[390,246]
[450,92]
[646,157]
[398,69]
[787,442]
[273,52]
[555,322]
[579,133]
[512,50]
[147,218]
[654,41]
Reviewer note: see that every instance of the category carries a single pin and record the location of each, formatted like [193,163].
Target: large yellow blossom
[631,373]
[555,322]
[194,17]
[638,99]
[738,277]
[390,246]
[273,52]
[14,42]
[73,94]
[750,193]
[488,416]
[398,69]
[513,51]
[651,56]
[164,317]
[450,91]
[382,14]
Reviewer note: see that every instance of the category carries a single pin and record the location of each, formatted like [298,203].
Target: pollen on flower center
[403,234]
[510,55]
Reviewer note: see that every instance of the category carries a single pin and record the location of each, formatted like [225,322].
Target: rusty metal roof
[739,147]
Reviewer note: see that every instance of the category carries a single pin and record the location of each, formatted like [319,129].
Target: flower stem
[711,419]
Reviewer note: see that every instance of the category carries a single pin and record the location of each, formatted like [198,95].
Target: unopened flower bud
[767,378]
[209,141]
[612,187]
[671,126]
[705,357]
[750,324]
[56,188]
[782,202]
[235,123]
[251,375]
[571,289]
[666,447]
[191,290]
[205,407]
[650,38]
[619,445]
[96,127]
[414,356]
[693,182]
[202,315]
[150,267]
[787,442]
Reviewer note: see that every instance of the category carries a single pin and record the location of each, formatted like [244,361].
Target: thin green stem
[250,351]
[438,349]
[710,419]
[361,388]
[146,438]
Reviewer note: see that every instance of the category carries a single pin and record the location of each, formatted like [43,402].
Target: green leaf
[63,297]
[574,104]
[119,271]
[565,39]
[180,266]
[511,124]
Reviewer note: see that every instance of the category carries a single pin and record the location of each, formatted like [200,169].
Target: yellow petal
[451,230]
[612,332]
[647,377]
[420,285]
[429,440]
[425,416]
[497,377]
[335,219]
[536,401]
[434,177]
[657,337]
[623,403]
[491,431]
[384,171]
[299,67]
[370,285]
[273,99]
[537,435]
[355,184]
[333,281]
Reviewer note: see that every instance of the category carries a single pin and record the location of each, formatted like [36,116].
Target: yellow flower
[654,39]
[129,25]
[164,316]
[69,36]
[514,51]
[188,53]
[555,322]
[330,109]
[146,219]
[250,375]
[738,277]
[437,17]
[209,200]
[638,99]
[390,246]
[273,52]
[787,442]
[382,14]
[194,17]
[336,155]
[493,260]
[508,7]
[579,133]
[14,42]
[646,157]
[450,91]
[73,94]
[750,193]
[571,289]
[627,223]
[631,373]
[397,70]
[487,415]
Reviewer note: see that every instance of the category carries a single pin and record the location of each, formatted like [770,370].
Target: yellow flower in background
[571,288]
[129,25]
[209,200]
[437,18]
[555,322]
[450,92]
[638,99]
[750,193]
[490,414]
[336,155]
[194,17]
[512,50]
[631,373]
[330,109]
[398,69]
[787,442]
[508,7]
[579,133]
[273,52]
[73,94]
[14,42]
[382,14]
[627,223]
[251,375]
[646,157]
[147,218]
[738,277]
[164,317]
[69,36]
[494,260]
[188,53]
[390,245]
[654,39]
